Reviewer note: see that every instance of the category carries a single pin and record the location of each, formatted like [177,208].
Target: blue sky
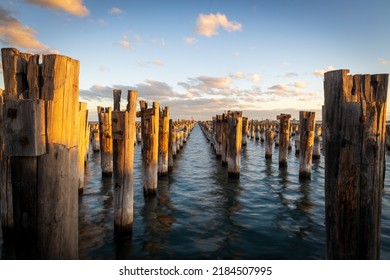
[204,57]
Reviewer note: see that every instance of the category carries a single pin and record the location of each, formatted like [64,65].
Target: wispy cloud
[208,25]
[299,84]
[255,78]
[125,44]
[150,63]
[239,75]
[284,90]
[115,11]
[14,33]
[321,72]
[74,7]
[104,69]
[189,40]
[290,75]
[384,61]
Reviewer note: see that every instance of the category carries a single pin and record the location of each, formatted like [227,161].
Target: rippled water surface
[200,213]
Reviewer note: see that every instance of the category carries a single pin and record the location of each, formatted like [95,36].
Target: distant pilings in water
[354,136]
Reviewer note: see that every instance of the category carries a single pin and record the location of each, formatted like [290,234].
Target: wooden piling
[234,143]
[306,142]
[354,136]
[150,130]
[224,139]
[117,93]
[6,207]
[163,142]
[317,142]
[244,131]
[105,139]
[284,138]
[123,128]
[83,128]
[170,146]
[45,132]
[269,141]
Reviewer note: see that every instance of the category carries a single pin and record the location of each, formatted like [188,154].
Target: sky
[204,57]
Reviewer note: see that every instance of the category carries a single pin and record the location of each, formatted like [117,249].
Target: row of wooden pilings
[160,137]
[229,132]
[354,143]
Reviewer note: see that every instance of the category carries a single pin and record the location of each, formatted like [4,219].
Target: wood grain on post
[163,141]
[123,127]
[224,139]
[234,143]
[317,142]
[150,130]
[284,138]
[6,207]
[354,136]
[117,93]
[45,199]
[83,128]
[105,139]
[306,142]
[244,130]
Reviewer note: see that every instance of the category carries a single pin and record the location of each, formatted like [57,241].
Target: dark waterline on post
[200,213]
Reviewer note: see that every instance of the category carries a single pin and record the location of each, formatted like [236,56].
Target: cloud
[189,40]
[321,72]
[14,33]
[208,25]
[290,75]
[158,62]
[300,84]
[96,93]
[150,63]
[239,75]
[255,78]
[126,45]
[115,11]
[104,69]
[384,61]
[74,7]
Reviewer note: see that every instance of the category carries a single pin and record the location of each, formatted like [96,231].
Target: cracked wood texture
[355,126]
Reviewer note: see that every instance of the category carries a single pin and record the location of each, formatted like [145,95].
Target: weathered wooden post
[41,130]
[317,142]
[83,128]
[170,146]
[105,136]
[224,139]
[234,143]
[123,127]
[354,136]
[6,207]
[174,141]
[244,131]
[95,137]
[257,130]
[117,93]
[163,142]
[306,142]
[284,138]
[269,141]
[150,130]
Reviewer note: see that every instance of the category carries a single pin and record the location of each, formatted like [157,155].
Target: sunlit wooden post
[117,93]
[284,138]
[123,127]
[306,138]
[150,130]
[317,142]
[163,142]
[234,143]
[105,137]
[269,141]
[354,136]
[42,138]
[224,139]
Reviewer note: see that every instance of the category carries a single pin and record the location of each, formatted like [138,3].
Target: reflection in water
[200,213]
